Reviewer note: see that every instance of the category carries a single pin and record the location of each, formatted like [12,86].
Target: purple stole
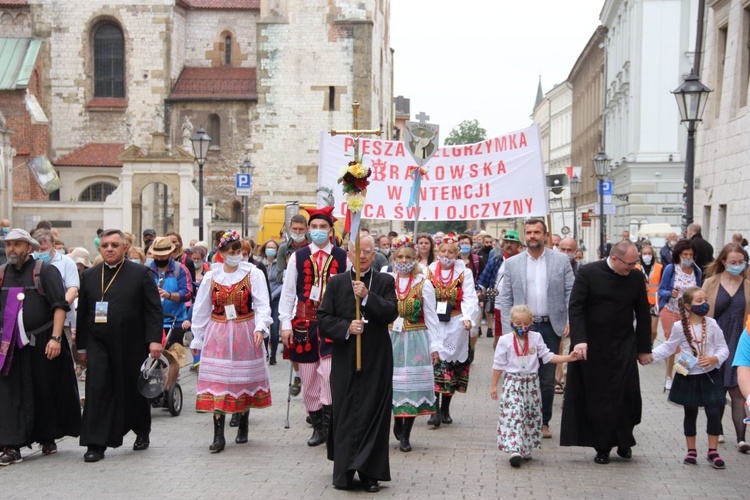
[11,335]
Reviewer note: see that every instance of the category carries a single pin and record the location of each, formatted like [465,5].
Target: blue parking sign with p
[242,181]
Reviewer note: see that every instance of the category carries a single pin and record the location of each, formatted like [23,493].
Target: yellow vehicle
[275,216]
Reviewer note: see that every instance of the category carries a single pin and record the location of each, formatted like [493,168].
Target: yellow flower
[357,170]
[356,202]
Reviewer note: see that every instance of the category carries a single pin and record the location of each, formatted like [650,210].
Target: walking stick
[289,395]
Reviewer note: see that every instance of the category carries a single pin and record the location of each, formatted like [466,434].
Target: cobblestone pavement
[454,461]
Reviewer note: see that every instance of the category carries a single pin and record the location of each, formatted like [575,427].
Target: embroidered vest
[411,308]
[238,294]
[308,274]
[452,292]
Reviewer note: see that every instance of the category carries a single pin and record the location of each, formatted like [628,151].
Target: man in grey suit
[542,279]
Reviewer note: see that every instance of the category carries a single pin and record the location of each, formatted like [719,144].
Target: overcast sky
[481,59]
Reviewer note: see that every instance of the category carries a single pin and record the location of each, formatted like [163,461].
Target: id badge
[100,312]
[315,293]
[398,325]
[230,311]
[442,307]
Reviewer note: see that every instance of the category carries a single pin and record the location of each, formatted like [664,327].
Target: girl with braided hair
[697,380]
[415,342]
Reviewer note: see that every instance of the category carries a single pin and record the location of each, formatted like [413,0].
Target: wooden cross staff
[355,133]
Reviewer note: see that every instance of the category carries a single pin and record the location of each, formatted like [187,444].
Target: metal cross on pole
[356,134]
[421,140]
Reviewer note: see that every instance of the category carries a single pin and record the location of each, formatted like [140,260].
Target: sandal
[559,388]
[691,458]
[716,461]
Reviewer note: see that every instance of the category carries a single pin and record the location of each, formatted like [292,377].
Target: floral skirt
[413,377]
[234,375]
[453,376]
[519,424]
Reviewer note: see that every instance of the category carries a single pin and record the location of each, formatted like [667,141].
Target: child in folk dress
[519,426]
[697,380]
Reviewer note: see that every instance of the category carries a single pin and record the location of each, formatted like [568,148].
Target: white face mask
[647,259]
[297,238]
[447,262]
[233,260]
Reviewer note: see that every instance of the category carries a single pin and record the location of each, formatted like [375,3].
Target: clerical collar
[362,272]
[115,266]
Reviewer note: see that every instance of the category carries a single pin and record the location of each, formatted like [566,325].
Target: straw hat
[80,256]
[162,247]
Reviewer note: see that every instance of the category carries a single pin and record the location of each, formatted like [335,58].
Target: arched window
[109,61]
[228,50]
[97,192]
[214,129]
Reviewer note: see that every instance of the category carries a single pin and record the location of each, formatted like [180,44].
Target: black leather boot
[327,415]
[445,409]
[405,445]
[219,441]
[398,427]
[317,437]
[435,417]
[242,428]
[235,420]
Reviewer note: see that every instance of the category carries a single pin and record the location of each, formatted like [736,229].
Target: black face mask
[161,262]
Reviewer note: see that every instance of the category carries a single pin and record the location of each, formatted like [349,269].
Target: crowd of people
[376,330]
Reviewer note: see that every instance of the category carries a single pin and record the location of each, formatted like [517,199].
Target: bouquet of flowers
[354,180]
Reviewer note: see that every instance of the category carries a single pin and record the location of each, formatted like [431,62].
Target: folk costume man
[307,276]
[603,397]
[362,400]
[38,389]
[119,324]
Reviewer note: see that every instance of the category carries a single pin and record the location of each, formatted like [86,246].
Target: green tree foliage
[467,132]
[432,227]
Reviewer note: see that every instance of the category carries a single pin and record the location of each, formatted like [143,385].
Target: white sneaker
[515,459]
[668,384]
[743,447]
[721,438]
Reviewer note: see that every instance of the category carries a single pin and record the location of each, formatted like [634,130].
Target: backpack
[36,276]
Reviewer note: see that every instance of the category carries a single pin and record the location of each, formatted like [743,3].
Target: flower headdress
[403,241]
[450,239]
[227,238]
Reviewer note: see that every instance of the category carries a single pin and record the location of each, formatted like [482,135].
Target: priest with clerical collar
[358,440]
[119,324]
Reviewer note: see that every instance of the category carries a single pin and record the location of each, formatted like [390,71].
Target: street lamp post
[201,141]
[691,97]
[601,165]
[575,188]
[246,168]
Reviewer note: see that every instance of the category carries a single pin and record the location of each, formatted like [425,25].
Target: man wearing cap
[307,274]
[149,235]
[38,389]
[119,323]
[542,279]
[174,285]
[490,281]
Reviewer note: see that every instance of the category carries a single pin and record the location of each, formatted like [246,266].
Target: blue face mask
[43,256]
[701,309]
[149,261]
[319,236]
[135,261]
[465,249]
[6,230]
[521,330]
[270,252]
[736,270]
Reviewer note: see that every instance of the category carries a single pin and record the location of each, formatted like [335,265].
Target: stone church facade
[263,77]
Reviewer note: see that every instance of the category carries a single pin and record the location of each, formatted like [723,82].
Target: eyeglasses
[629,264]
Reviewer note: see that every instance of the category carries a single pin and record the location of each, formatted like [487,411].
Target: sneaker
[515,459]
[296,387]
[668,383]
[546,433]
[721,438]
[743,447]
[10,456]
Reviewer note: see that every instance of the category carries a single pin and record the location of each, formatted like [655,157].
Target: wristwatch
[57,338]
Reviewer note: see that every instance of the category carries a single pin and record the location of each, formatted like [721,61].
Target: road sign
[242,181]
[608,209]
[605,186]
[244,191]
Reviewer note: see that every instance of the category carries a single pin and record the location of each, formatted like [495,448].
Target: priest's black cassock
[362,401]
[602,401]
[116,349]
[39,397]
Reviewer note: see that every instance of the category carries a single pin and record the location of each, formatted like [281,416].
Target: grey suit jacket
[559,285]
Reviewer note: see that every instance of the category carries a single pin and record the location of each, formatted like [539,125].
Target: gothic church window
[109,61]
[228,50]
[97,192]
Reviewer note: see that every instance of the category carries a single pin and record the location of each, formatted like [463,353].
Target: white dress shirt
[288,300]
[536,284]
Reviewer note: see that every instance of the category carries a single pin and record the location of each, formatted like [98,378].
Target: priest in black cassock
[358,437]
[602,402]
[119,325]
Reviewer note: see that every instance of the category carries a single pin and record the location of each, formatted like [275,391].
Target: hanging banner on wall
[498,178]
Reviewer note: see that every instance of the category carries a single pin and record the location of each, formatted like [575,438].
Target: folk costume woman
[415,342]
[456,304]
[231,317]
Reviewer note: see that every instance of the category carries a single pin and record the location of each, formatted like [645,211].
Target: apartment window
[721,54]
[109,61]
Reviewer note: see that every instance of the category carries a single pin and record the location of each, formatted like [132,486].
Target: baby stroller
[171,397]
